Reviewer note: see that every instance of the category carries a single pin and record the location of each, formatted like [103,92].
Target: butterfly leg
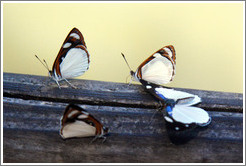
[160,107]
[130,82]
[93,139]
[152,117]
[58,84]
[70,84]
[104,139]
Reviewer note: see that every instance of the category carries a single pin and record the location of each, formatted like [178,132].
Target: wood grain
[33,106]
[106,93]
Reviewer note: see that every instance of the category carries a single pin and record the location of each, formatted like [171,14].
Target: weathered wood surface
[106,93]
[33,106]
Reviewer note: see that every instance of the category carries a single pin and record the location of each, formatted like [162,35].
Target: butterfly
[72,60]
[179,111]
[77,122]
[159,68]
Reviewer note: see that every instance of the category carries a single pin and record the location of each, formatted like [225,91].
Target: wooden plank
[106,93]
[33,106]
[31,146]
[45,116]
[31,130]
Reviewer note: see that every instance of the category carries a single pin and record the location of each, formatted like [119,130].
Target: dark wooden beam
[46,147]
[106,93]
[33,106]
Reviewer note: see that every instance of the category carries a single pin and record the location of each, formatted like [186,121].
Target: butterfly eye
[132,73]
[50,73]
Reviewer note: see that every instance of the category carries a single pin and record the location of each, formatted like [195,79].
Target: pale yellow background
[208,38]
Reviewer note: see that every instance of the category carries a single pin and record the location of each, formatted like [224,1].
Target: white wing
[77,129]
[188,99]
[188,115]
[75,63]
[159,70]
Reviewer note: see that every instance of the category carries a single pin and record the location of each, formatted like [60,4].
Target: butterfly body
[76,122]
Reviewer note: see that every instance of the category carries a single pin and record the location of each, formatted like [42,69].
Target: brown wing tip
[74,28]
[171,47]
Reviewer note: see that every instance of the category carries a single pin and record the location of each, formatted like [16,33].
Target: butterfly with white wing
[77,122]
[159,68]
[178,108]
[72,60]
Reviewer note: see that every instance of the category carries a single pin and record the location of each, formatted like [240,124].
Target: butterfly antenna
[42,63]
[128,67]
[126,61]
[46,64]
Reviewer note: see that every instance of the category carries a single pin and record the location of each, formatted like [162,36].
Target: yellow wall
[208,38]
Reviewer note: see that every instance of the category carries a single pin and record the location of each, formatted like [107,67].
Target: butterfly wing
[163,94]
[73,58]
[178,110]
[189,115]
[183,117]
[159,68]
[76,122]
[181,98]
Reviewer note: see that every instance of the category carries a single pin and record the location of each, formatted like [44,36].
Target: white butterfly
[159,68]
[76,122]
[72,60]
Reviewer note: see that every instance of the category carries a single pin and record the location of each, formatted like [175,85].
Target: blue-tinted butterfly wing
[163,93]
[183,117]
[179,116]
